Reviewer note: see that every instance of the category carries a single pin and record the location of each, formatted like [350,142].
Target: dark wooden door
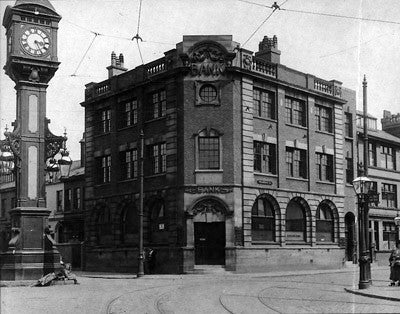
[209,241]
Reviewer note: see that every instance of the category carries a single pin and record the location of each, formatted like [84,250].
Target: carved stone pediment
[207,58]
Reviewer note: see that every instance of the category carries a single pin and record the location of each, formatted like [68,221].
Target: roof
[382,135]
[43,3]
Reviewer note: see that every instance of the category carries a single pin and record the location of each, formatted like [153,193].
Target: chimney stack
[117,65]
[268,50]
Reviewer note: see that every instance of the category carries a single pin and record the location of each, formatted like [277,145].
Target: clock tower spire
[31,29]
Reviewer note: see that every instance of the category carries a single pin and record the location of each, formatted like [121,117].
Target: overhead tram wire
[137,36]
[275,7]
[326,14]
[86,52]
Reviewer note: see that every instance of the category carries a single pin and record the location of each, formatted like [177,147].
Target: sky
[325,46]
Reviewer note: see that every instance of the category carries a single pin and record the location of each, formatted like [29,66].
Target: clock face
[35,41]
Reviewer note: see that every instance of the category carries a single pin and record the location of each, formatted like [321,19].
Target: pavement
[313,291]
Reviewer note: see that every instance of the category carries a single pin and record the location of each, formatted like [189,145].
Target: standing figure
[394,261]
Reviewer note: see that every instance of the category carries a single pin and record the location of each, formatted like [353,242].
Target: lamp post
[362,186]
[140,272]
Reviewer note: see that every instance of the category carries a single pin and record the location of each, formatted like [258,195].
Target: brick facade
[209,184]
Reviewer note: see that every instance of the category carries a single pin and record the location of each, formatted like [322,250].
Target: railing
[102,89]
[156,67]
[264,67]
[323,86]
[7,178]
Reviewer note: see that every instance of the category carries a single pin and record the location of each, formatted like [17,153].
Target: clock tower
[31,29]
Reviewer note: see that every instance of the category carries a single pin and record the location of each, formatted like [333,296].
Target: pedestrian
[394,261]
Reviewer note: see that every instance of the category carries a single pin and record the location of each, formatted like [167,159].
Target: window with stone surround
[264,157]
[263,104]
[389,236]
[262,220]
[103,169]
[3,208]
[389,195]
[295,111]
[68,199]
[372,154]
[129,164]
[59,196]
[296,162]
[349,170]
[208,150]
[77,198]
[158,158]
[324,164]
[104,121]
[348,124]
[128,113]
[157,107]
[323,118]
[388,158]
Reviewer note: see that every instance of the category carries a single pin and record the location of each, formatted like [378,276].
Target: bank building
[247,163]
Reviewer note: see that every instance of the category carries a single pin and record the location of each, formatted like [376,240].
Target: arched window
[104,225]
[295,222]
[158,218]
[128,223]
[208,150]
[325,226]
[262,220]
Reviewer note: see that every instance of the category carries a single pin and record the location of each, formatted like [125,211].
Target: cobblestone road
[219,293]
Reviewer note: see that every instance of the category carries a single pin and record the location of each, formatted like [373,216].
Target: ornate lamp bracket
[53,142]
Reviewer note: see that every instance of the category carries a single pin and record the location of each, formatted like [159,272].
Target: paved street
[307,292]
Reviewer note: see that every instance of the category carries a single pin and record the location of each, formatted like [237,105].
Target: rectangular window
[323,118]
[295,111]
[264,157]
[349,171]
[389,236]
[68,199]
[77,198]
[324,167]
[129,113]
[296,162]
[372,154]
[59,195]
[209,152]
[387,158]
[348,124]
[264,104]
[104,125]
[389,195]
[103,165]
[129,163]
[158,105]
[158,158]
[3,208]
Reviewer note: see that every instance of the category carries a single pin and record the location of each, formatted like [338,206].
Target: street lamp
[362,186]
[62,164]
[6,162]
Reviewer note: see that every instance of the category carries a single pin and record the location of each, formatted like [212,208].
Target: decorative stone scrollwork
[210,205]
[208,58]
[247,62]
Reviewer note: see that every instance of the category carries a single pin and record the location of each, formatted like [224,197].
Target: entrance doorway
[209,241]
[350,237]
